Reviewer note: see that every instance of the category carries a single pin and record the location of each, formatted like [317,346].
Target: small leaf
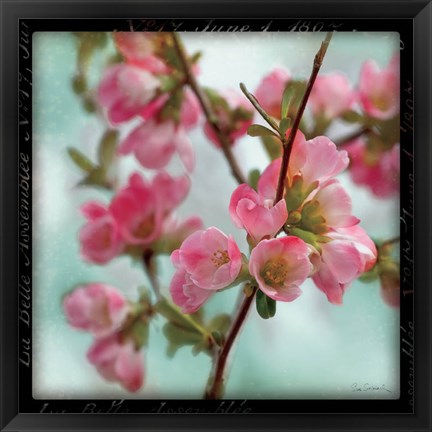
[195,57]
[220,323]
[284,125]
[107,148]
[253,178]
[167,83]
[256,130]
[272,146]
[140,334]
[266,306]
[97,177]
[287,98]
[352,117]
[181,336]
[81,160]
[218,337]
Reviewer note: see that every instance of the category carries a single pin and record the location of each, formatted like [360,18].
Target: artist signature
[369,387]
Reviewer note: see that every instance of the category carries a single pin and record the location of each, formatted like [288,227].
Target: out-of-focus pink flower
[235,129]
[140,208]
[125,90]
[97,308]
[255,214]
[280,266]
[270,90]
[175,232]
[211,259]
[315,160]
[184,292]
[153,144]
[335,205]
[100,238]
[390,287]
[379,91]
[349,253]
[134,45]
[379,172]
[118,360]
[331,95]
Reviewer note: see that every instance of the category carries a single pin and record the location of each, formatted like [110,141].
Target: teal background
[310,349]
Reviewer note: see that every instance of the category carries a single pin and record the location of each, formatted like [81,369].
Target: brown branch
[208,111]
[287,145]
[352,136]
[215,389]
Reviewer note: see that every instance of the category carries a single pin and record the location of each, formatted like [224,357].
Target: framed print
[210,217]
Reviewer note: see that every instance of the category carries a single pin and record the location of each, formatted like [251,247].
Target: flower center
[275,272]
[144,228]
[220,257]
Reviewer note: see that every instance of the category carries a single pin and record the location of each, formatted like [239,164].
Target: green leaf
[256,130]
[107,148]
[178,337]
[272,146]
[284,124]
[287,98]
[266,306]
[352,117]
[173,314]
[140,334]
[253,178]
[220,323]
[97,177]
[171,109]
[168,82]
[195,57]
[81,160]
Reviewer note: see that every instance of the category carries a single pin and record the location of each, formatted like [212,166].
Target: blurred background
[310,349]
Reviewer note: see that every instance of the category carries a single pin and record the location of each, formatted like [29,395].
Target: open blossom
[349,253]
[256,214]
[334,205]
[380,172]
[97,308]
[235,128]
[100,238]
[331,95]
[270,90]
[379,91]
[184,292]
[141,207]
[154,143]
[125,90]
[211,259]
[280,266]
[118,360]
[315,160]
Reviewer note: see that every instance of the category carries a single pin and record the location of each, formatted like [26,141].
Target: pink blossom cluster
[137,88]
[140,214]
[324,241]
[102,311]
[378,99]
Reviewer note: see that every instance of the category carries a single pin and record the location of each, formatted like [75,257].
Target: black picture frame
[19,411]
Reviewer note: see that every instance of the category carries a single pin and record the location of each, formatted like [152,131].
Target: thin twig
[287,145]
[216,388]
[149,266]
[208,111]
[352,136]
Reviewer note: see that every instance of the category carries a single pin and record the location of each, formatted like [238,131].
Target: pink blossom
[257,215]
[141,207]
[379,91]
[315,160]
[184,292]
[211,259]
[379,172]
[280,266]
[153,144]
[118,360]
[334,205]
[97,308]
[235,129]
[125,90]
[134,45]
[175,232]
[390,288]
[349,253]
[100,238]
[331,95]
[270,90]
